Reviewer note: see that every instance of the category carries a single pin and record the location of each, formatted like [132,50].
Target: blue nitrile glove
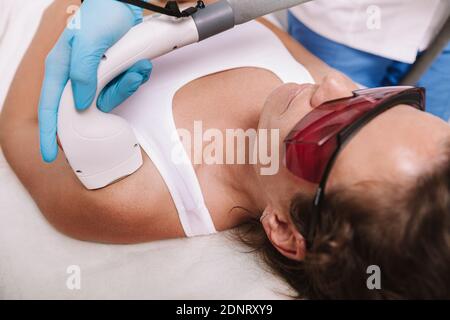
[76,56]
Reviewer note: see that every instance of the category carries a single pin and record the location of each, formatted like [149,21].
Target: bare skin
[396,148]
[140,209]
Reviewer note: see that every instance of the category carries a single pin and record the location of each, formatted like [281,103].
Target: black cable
[171,9]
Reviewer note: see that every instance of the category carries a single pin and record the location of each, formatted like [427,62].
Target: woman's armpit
[136,209]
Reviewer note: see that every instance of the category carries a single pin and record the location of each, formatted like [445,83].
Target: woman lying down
[343,193]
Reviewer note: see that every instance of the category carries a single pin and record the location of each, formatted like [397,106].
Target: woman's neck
[226,112]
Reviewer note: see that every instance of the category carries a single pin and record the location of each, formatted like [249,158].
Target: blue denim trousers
[374,71]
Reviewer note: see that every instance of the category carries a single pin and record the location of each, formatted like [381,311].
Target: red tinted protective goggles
[315,142]
[315,139]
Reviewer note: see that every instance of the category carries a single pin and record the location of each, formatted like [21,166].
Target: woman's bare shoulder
[136,209]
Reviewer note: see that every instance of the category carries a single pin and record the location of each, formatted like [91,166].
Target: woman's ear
[283,235]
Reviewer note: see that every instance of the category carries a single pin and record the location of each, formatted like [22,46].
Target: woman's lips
[294,93]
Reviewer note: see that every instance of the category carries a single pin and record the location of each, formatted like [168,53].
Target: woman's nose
[334,86]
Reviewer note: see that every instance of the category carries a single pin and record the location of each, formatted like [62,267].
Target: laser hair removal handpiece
[102,148]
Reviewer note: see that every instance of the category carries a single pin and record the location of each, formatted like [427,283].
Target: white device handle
[102,148]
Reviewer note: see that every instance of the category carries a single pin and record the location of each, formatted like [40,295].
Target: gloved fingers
[86,57]
[56,76]
[144,67]
[103,23]
[137,13]
[123,86]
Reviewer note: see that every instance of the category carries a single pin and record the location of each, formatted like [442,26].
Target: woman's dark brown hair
[404,232]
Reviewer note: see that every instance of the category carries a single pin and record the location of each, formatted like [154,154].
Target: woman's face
[396,146]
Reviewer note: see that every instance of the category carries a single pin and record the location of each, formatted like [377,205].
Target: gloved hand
[76,56]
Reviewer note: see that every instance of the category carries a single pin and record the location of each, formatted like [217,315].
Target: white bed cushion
[34,257]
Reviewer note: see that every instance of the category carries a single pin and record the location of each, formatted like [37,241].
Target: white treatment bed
[34,257]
